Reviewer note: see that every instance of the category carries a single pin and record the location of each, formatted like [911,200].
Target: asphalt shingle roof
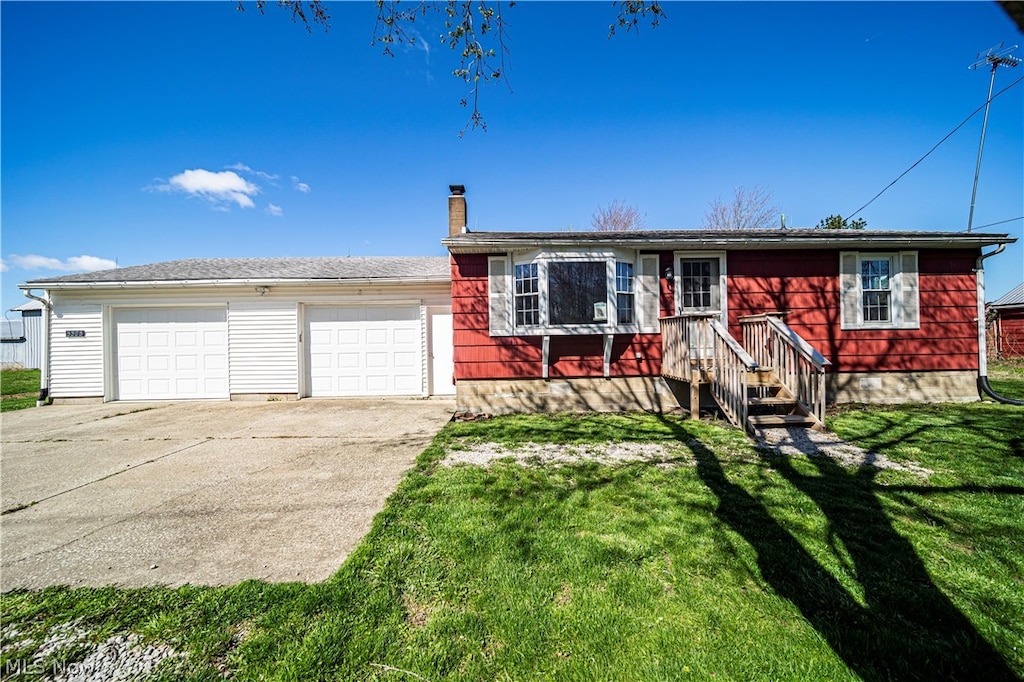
[324,268]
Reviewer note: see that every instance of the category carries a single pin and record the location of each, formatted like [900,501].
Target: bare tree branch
[617,217]
[475,29]
[748,210]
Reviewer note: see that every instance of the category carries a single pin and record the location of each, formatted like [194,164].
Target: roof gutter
[478,244]
[984,389]
[44,370]
[189,283]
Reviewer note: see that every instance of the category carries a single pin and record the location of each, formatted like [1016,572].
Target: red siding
[1011,333]
[805,284]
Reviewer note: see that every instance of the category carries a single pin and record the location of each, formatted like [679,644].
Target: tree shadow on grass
[908,629]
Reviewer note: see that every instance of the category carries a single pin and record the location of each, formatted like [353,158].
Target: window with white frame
[573,292]
[875,287]
[624,296]
[527,296]
[879,290]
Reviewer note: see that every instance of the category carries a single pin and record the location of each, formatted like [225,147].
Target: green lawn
[20,388]
[1007,377]
[726,561]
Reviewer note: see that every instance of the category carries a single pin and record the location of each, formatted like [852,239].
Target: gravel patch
[800,441]
[118,658]
[483,454]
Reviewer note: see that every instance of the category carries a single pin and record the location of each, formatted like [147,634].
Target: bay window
[573,292]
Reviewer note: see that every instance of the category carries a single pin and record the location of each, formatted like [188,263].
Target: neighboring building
[21,342]
[588,320]
[251,328]
[1008,324]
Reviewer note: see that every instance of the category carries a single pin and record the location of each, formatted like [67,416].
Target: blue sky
[142,132]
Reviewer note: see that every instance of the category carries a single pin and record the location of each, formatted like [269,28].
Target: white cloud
[220,189]
[242,168]
[300,186]
[274,210]
[83,263]
[3,265]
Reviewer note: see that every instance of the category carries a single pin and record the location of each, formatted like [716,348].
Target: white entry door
[171,353]
[361,350]
[442,350]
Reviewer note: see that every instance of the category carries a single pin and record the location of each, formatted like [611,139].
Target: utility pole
[995,57]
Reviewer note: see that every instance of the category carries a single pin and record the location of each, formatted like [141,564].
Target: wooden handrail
[796,363]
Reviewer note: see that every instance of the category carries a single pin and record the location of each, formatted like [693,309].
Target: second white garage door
[364,350]
[171,353]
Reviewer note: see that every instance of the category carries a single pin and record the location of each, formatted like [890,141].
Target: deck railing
[729,379]
[698,348]
[799,367]
[686,345]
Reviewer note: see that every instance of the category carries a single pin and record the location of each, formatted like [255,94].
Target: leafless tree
[748,210]
[474,29]
[617,217]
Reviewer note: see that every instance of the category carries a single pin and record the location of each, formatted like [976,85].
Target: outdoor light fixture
[668,272]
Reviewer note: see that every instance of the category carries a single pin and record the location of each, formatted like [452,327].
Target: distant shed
[1008,325]
[21,336]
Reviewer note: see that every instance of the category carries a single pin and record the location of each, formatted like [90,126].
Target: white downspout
[44,370]
[983,386]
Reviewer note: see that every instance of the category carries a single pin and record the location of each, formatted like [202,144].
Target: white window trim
[580,255]
[897,314]
[723,302]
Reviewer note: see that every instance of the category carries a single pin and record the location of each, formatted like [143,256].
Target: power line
[948,135]
[1000,222]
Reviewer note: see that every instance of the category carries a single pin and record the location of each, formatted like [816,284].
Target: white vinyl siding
[263,347]
[903,288]
[76,362]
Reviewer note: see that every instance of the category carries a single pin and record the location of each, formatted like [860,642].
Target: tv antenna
[996,56]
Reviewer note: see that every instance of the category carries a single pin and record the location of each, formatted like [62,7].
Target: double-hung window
[624,296]
[879,290]
[527,296]
[876,289]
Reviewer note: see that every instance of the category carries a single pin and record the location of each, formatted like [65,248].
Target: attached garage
[171,353]
[364,350]
[250,329]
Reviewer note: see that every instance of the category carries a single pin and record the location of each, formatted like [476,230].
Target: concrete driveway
[199,492]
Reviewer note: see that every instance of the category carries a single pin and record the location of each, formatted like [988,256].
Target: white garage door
[364,350]
[171,353]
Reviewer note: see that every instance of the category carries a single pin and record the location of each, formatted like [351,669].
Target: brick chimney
[456,210]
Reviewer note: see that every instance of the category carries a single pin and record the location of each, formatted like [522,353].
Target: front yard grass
[724,561]
[19,388]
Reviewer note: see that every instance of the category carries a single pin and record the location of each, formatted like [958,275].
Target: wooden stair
[771,405]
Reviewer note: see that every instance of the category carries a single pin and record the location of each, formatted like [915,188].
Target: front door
[699,290]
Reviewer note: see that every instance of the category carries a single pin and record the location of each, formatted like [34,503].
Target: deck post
[695,393]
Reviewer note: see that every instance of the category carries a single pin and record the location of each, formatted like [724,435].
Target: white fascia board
[698,241]
[188,283]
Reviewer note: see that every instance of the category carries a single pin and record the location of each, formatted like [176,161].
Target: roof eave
[480,244]
[249,282]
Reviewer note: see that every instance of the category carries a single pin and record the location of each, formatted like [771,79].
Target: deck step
[769,420]
[772,401]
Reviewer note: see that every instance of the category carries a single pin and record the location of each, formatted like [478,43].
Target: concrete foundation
[620,394]
[903,387]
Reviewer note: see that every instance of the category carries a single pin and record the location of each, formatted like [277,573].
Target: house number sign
[74,333]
